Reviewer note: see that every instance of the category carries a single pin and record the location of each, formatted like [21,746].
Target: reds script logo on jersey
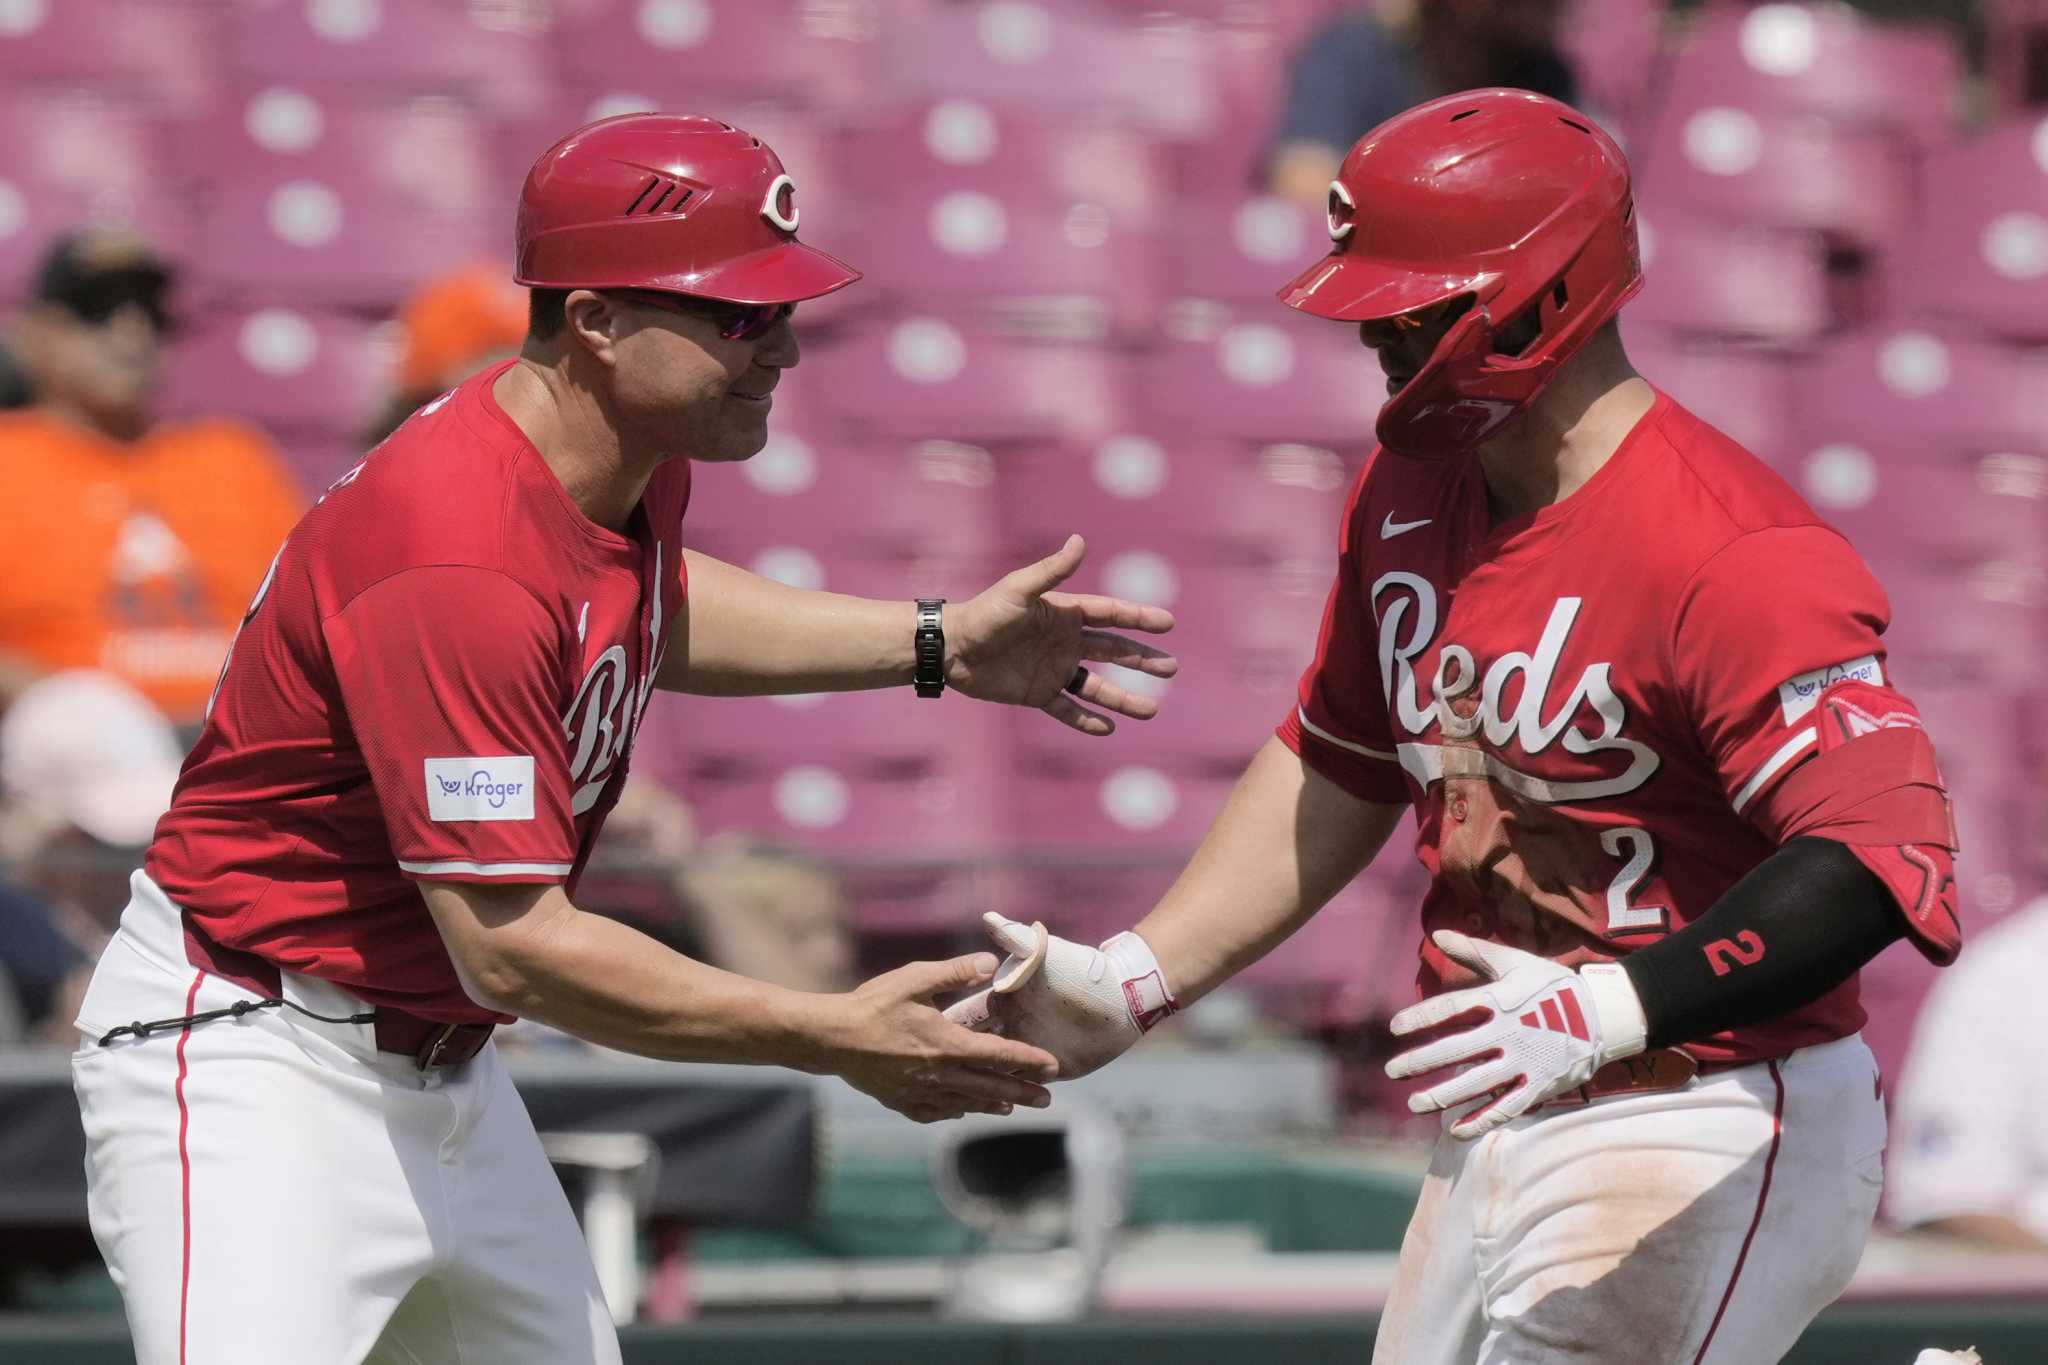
[1587,719]
[599,725]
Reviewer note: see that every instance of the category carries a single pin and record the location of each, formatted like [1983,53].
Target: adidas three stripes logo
[1561,1014]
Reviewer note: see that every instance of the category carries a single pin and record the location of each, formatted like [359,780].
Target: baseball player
[1667,792]
[301,1144]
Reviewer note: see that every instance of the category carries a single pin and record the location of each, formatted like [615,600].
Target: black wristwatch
[928,673]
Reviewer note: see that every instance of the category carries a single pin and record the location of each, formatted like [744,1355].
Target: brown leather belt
[1663,1068]
[428,1043]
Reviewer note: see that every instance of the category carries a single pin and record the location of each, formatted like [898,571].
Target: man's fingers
[1012,936]
[1035,580]
[1103,647]
[1073,715]
[1466,1085]
[1112,697]
[1484,1118]
[994,1087]
[1491,960]
[922,980]
[973,1012]
[1097,610]
[1025,944]
[995,1052]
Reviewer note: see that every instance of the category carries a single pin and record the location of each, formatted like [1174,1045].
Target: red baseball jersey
[439,680]
[1588,706]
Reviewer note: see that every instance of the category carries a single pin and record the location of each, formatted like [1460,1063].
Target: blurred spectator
[771,914]
[1971,1158]
[1361,68]
[87,765]
[453,326]
[43,973]
[124,545]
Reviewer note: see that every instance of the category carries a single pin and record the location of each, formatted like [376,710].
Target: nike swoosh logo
[1391,528]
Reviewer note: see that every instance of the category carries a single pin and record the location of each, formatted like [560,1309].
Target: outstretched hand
[1021,642]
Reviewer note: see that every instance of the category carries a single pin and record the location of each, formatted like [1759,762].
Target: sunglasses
[736,321]
[98,305]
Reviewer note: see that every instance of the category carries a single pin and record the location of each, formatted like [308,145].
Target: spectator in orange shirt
[454,325]
[125,546]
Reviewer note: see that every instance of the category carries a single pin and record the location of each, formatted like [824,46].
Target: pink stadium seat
[2016,50]
[1900,504]
[1011,152]
[718,50]
[1264,375]
[303,374]
[1009,262]
[1819,60]
[885,733]
[75,158]
[1777,170]
[1702,278]
[1612,46]
[929,498]
[935,376]
[495,56]
[1984,624]
[316,200]
[1221,501]
[1934,390]
[145,50]
[1980,253]
[1241,250]
[1059,55]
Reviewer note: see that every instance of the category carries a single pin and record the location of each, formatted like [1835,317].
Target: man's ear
[595,322]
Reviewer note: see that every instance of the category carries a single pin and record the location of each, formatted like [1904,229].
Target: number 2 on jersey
[1634,847]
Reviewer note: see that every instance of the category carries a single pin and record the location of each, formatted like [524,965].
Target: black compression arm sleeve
[1789,932]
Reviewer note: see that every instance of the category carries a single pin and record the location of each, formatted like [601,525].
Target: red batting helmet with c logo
[672,202]
[1507,196]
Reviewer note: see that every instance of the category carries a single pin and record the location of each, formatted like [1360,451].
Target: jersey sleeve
[1763,628]
[1339,725]
[451,679]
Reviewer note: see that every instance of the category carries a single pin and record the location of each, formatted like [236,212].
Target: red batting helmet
[1505,195]
[671,202]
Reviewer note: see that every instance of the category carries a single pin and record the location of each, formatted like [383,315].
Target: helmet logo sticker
[778,206]
[1341,211]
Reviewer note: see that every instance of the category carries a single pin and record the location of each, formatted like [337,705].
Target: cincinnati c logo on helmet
[778,206]
[1342,211]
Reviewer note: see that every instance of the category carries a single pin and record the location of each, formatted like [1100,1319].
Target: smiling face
[694,376]
[1405,343]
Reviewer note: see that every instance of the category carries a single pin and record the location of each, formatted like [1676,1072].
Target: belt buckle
[436,1043]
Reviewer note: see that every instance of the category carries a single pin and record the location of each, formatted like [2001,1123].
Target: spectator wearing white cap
[87,764]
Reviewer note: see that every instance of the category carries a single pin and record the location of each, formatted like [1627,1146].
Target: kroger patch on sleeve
[497,787]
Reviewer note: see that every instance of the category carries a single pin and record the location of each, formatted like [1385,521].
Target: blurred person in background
[451,327]
[125,545]
[87,764]
[773,914]
[1362,67]
[1971,1110]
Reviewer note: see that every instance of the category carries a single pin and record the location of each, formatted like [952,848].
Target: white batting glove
[1083,1005]
[1547,1030]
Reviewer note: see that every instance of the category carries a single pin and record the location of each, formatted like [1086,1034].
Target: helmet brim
[788,272]
[1348,288]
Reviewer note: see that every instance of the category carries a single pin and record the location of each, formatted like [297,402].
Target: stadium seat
[720,51]
[1007,262]
[315,200]
[1900,504]
[941,376]
[1778,170]
[299,373]
[1612,46]
[1980,243]
[1823,61]
[927,498]
[493,56]
[1704,279]
[1933,389]
[1241,250]
[1062,56]
[162,55]
[75,158]
[1265,375]
[970,143]
[1746,393]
